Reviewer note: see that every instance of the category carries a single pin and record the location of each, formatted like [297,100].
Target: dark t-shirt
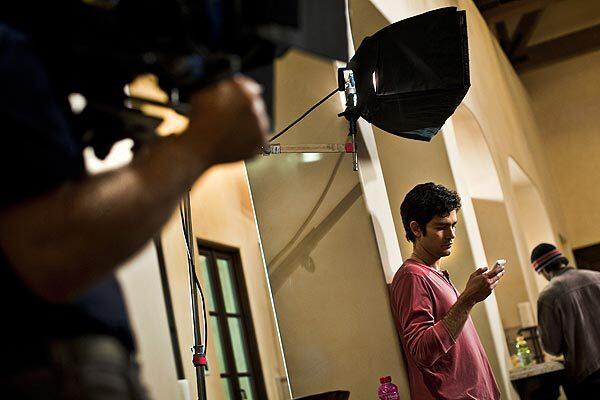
[38,153]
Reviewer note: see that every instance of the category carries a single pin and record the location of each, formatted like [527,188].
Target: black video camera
[96,47]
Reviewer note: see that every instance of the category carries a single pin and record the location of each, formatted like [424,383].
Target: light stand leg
[352,120]
[198,357]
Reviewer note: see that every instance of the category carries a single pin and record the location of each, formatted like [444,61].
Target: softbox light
[411,75]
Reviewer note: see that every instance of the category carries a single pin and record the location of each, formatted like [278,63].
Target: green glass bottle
[523,352]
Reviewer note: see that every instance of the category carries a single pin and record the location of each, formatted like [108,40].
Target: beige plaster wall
[566,100]
[534,216]
[222,213]
[501,107]
[140,281]
[326,274]
[563,17]
[495,228]
[417,162]
[478,167]
[535,222]
[499,243]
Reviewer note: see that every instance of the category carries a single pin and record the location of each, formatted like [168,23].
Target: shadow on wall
[300,255]
[294,253]
[328,285]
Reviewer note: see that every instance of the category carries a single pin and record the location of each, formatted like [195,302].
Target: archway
[532,214]
[479,174]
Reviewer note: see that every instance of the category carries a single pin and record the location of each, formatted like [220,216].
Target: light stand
[346,80]
[347,84]
[199,350]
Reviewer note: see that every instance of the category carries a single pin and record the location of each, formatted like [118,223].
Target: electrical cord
[184,225]
[184,222]
[311,214]
[323,100]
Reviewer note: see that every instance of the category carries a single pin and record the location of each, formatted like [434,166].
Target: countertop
[534,370]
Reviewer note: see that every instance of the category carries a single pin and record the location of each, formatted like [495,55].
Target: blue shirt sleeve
[37,150]
[37,154]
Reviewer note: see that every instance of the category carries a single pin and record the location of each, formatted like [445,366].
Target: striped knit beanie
[543,255]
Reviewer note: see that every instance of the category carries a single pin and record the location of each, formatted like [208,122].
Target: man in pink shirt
[444,355]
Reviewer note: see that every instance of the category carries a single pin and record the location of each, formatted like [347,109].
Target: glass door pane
[227,389]
[238,344]
[218,350]
[207,283]
[227,286]
[246,388]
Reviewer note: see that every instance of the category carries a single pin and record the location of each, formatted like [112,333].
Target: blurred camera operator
[62,233]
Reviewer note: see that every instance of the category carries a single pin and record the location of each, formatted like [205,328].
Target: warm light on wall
[311,157]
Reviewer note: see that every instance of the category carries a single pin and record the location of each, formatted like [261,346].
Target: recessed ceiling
[534,33]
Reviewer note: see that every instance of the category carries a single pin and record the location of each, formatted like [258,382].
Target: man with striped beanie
[569,319]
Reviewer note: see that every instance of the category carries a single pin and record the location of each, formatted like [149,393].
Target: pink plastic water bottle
[387,390]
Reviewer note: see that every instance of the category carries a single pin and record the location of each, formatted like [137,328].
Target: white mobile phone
[500,262]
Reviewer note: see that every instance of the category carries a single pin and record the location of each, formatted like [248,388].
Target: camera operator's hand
[481,283]
[94,223]
[228,121]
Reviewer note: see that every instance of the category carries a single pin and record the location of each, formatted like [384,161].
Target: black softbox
[411,75]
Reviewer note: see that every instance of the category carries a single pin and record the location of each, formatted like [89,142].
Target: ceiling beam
[558,49]
[514,8]
[503,38]
[523,33]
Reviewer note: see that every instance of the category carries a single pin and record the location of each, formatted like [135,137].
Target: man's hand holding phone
[482,282]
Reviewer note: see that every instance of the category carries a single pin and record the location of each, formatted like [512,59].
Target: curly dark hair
[424,202]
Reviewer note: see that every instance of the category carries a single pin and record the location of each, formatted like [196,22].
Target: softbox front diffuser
[411,75]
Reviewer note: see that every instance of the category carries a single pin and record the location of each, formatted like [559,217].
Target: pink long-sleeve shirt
[439,367]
